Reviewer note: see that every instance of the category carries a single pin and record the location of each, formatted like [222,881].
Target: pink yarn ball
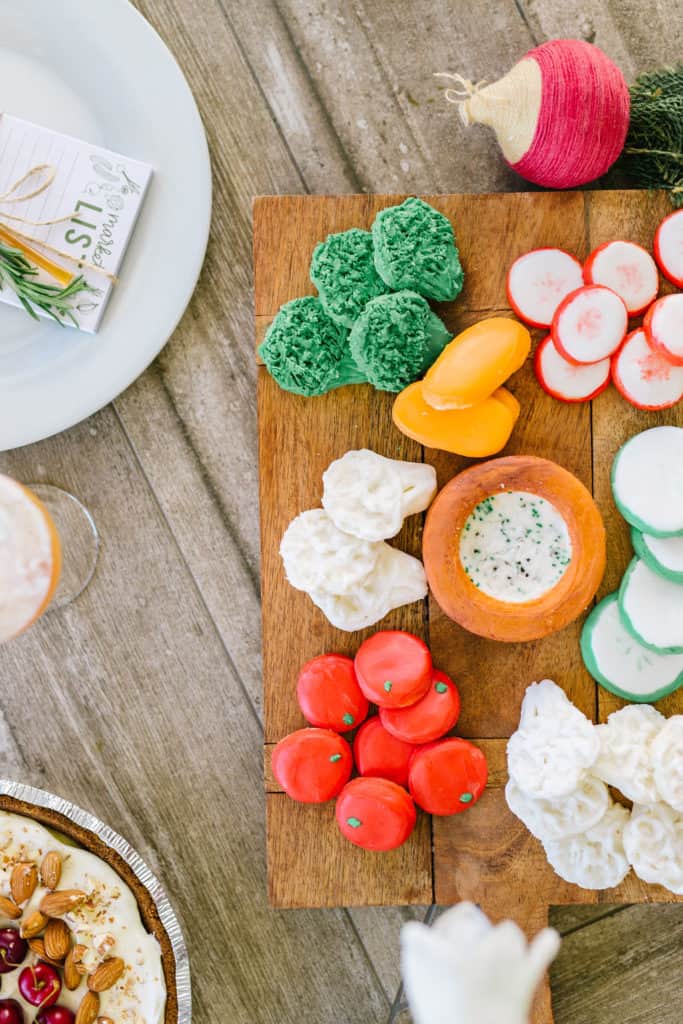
[583,119]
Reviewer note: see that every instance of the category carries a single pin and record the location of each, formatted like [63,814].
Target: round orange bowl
[490,617]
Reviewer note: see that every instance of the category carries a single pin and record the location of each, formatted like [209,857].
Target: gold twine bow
[46,174]
[465,88]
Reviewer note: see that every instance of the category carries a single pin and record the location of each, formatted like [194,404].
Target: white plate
[97,70]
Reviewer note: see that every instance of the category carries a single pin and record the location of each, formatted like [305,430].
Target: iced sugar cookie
[554,745]
[626,752]
[596,859]
[415,248]
[396,339]
[667,759]
[653,839]
[567,816]
[343,271]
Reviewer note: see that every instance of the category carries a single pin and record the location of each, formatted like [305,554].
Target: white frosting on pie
[108,924]
[26,561]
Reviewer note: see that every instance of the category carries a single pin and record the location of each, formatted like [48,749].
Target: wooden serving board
[485,855]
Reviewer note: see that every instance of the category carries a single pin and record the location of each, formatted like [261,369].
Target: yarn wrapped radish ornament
[560,115]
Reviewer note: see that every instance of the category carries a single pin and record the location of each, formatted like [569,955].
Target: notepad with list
[93,199]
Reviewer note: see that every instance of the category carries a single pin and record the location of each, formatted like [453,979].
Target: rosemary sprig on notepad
[21,276]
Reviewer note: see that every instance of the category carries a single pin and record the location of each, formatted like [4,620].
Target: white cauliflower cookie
[596,859]
[567,816]
[318,556]
[667,757]
[554,746]
[653,839]
[626,750]
[369,496]
[397,579]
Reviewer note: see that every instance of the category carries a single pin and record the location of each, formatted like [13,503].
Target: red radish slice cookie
[381,755]
[394,669]
[329,694]
[375,814]
[669,247]
[590,324]
[663,326]
[447,777]
[538,282]
[628,270]
[312,765]
[430,719]
[644,376]
[568,381]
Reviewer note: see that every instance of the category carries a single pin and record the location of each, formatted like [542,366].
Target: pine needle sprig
[21,276]
[653,154]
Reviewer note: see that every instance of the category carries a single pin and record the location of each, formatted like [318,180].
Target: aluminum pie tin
[167,916]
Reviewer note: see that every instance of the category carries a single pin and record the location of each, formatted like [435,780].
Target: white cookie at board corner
[653,839]
[667,758]
[554,746]
[626,752]
[369,495]
[566,816]
[595,859]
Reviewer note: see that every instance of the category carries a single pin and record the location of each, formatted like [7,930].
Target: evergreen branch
[653,154]
[22,277]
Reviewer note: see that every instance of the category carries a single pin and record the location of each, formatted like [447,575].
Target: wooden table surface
[142,701]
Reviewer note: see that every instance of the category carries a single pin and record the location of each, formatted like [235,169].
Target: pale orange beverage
[30,558]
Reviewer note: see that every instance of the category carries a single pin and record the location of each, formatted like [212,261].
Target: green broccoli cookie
[306,352]
[415,248]
[343,271]
[396,339]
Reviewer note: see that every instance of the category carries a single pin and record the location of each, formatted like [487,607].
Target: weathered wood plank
[373,66]
[626,967]
[635,43]
[291,94]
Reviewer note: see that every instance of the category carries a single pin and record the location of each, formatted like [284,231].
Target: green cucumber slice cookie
[620,663]
[647,481]
[651,608]
[664,555]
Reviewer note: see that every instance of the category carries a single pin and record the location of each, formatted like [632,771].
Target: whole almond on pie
[72,975]
[51,870]
[54,904]
[57,939]
[33,925]
[37,946]
[23,881]
[89,1008]
[104,1020]
[107,974]
[9,909]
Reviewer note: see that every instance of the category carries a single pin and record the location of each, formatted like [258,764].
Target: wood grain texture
[625,967]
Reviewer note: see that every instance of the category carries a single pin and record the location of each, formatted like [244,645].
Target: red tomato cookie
[380,754]
[329,694]
[432,717]
[312,765]
[394,669]
[447,777]
[375,814]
